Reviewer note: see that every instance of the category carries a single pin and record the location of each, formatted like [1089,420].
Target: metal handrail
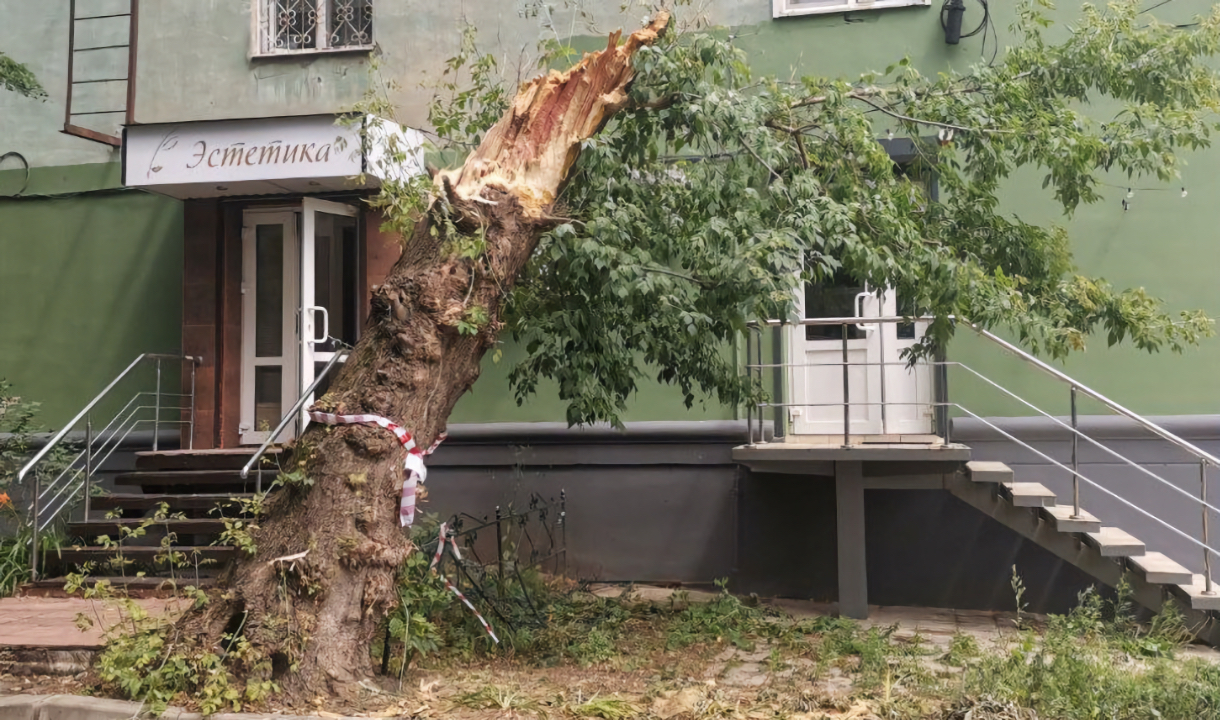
[1027,357]
[1201,455]
[71,472]
[59,436]
[292,413]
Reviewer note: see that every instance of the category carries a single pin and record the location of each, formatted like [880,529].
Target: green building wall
[89,281]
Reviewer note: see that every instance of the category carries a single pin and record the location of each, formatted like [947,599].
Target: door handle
[858,309]
[325,324]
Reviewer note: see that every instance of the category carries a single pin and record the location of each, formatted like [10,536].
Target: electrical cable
[984,25]
[26,163]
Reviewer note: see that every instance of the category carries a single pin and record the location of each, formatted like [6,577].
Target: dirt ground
[645,678]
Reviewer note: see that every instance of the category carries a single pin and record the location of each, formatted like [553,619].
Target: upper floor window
[302,26]
[789,8]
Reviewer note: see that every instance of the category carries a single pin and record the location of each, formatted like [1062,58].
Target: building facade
[186,189]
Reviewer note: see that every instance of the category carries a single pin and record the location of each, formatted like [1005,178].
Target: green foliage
[18,423]
[17,77]
[715,193]
[146,659]
[1096,662]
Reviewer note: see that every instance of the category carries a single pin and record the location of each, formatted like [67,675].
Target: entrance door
[270,276]
[329,289]
[300,300]
[815,353]
[885,397]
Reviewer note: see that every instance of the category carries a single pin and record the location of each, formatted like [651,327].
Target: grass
[615,658]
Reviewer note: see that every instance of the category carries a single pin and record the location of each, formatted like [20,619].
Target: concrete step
[1158,568]
[1114,542]
[988,471]
[1061,515]
[1195,590]
[1029,494]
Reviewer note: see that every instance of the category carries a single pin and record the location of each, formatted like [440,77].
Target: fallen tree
[611,249]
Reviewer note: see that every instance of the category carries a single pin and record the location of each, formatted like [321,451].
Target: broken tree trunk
[312,619]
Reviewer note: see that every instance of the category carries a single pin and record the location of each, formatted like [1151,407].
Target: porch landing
[818,457]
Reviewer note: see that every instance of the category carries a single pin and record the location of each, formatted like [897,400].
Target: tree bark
[315,618]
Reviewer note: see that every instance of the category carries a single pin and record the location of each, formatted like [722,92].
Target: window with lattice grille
[789,8]
[303,26]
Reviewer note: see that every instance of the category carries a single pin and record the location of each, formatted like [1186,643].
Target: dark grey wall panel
[1178,507]
[924,548]
[644,523]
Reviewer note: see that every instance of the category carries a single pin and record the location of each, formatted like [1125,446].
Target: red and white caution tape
[453,548]
[414,465]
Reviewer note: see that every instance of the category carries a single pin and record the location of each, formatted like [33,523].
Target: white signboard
[205,159]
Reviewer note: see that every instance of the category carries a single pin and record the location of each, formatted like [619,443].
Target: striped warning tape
[415,470]
[453,548]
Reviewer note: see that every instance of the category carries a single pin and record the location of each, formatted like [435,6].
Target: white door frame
[311,333]
[287,361]
[886,397]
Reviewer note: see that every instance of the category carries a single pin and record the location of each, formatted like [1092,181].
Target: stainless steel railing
[942,407]
[74,478]
[291,416]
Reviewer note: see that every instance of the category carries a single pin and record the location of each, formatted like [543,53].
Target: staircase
[1107,553]
[200,486]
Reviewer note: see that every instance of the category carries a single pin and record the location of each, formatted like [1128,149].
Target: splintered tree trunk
[315,618]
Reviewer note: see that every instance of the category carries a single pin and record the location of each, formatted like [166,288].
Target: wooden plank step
[1061,516]
[150,501]
[1029,494]
[218,459]
[141,553]
[1158,568]
[1195,590]
[171,478]
[190,526]
[1114,542]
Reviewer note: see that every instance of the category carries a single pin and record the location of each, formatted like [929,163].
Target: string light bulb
[1183,192]
[1130,193]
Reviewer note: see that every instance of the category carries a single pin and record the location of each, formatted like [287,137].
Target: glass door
[815,353]
[330,291]
[887,398]
[269,381]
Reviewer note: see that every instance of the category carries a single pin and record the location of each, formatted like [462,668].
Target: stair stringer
[1069,546]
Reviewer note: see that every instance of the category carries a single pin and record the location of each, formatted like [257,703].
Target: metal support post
[846,395]
[759,354]
[563,526]
[157,408]
[500,550]
[1207,555]
[34,528]
[1075,466]
[88,463]
[749,406]
[190,441]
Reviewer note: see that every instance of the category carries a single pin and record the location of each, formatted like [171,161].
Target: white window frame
[790,8]
[263,39]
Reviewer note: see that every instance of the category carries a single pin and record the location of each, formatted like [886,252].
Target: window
[304,26]
[789,8]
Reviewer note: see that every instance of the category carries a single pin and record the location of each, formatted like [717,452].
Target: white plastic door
[328,265]
[886,398]
[908,390]
[269,321]
[815,353]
